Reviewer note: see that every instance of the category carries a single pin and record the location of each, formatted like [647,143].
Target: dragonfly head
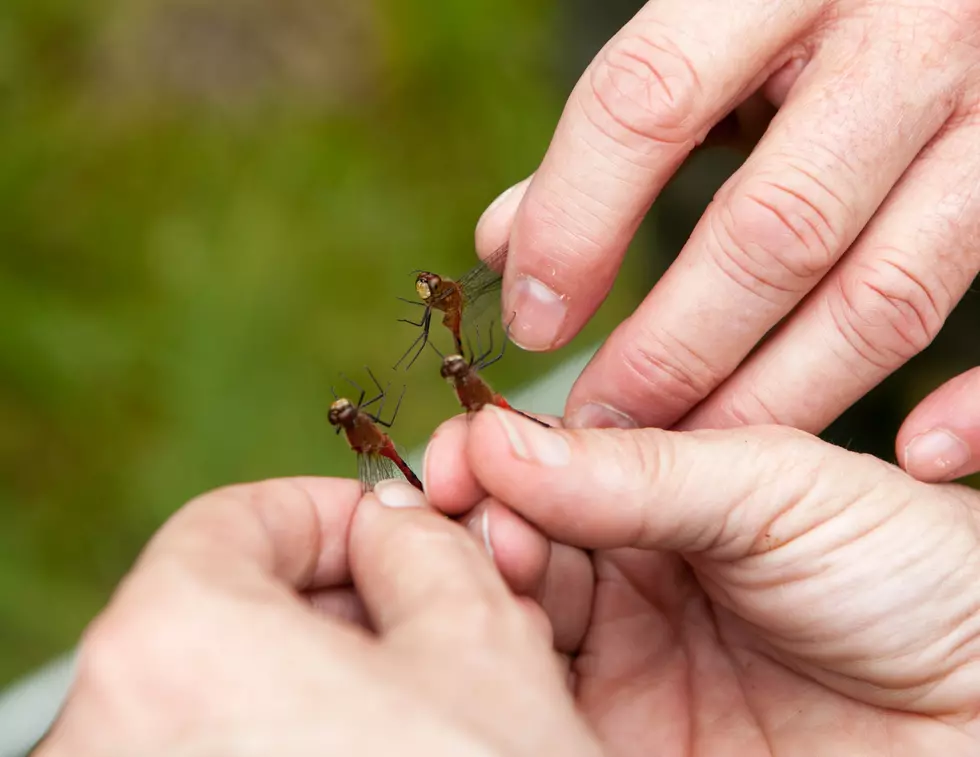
[342,412]
[427,284]
[454,367]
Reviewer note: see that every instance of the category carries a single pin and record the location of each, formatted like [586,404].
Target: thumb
[733,492]
[940,440]
[423,576]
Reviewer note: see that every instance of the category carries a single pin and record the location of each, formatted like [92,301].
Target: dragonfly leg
[382,392]
[423,338]
[484,363]
[389,423]
[358,387]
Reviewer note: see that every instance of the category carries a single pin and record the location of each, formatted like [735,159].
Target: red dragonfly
[455,298]
[377,456]
[471,389]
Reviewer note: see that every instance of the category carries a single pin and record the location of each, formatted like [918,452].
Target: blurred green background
[207,210]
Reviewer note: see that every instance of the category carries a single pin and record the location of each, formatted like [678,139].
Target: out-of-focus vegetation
[207,210]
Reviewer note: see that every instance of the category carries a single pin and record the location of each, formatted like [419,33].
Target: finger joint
[887,312]
[648,86]
[774,239]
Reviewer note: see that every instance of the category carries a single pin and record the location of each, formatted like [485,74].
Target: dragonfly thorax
[454,367]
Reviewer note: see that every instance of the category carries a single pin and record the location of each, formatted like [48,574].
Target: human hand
[237,633]
[856,219]
[758,592]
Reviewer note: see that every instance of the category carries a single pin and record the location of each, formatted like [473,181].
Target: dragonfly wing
[484,278]
[372,468]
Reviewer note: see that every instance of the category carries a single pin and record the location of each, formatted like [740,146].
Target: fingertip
[396,494]
[936,455]
[450,484]
[940,438]
[493,228]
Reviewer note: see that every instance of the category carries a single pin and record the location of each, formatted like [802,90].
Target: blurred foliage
[207,211]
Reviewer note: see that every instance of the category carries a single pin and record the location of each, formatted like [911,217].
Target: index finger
[422,576]
[648,98]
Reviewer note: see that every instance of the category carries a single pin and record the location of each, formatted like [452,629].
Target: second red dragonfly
[471,388]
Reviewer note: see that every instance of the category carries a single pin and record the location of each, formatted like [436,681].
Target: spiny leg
[382,392]
[360,401]
[435,349]
[388,424]
[478,361]
[496,357]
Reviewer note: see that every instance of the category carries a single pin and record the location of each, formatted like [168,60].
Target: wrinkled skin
[850,233]
[756,591]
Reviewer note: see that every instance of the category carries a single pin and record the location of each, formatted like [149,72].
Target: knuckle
[772,238]
[678,373]
[887,312]
[646,84]
[748,408]
[651,455]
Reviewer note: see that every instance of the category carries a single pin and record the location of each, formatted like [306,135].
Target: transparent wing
[372,468]
[483,279]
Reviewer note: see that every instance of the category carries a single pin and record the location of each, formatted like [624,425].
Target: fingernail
[532,442]
[540,314]
[480,527]
[597,415]
[936,454]
[398,494]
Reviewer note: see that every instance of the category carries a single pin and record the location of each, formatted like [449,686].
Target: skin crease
[854,224]
[757,592]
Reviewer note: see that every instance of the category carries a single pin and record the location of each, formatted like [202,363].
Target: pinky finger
[940,439]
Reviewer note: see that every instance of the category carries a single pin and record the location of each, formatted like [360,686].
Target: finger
[940,440]
[687,492]
[340,604]
[493,228]
[289,530]
[885,301]
[566,593]
[424,579]
[519,550]
[772,233]
[647,99]
[450,485]
[557,577]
